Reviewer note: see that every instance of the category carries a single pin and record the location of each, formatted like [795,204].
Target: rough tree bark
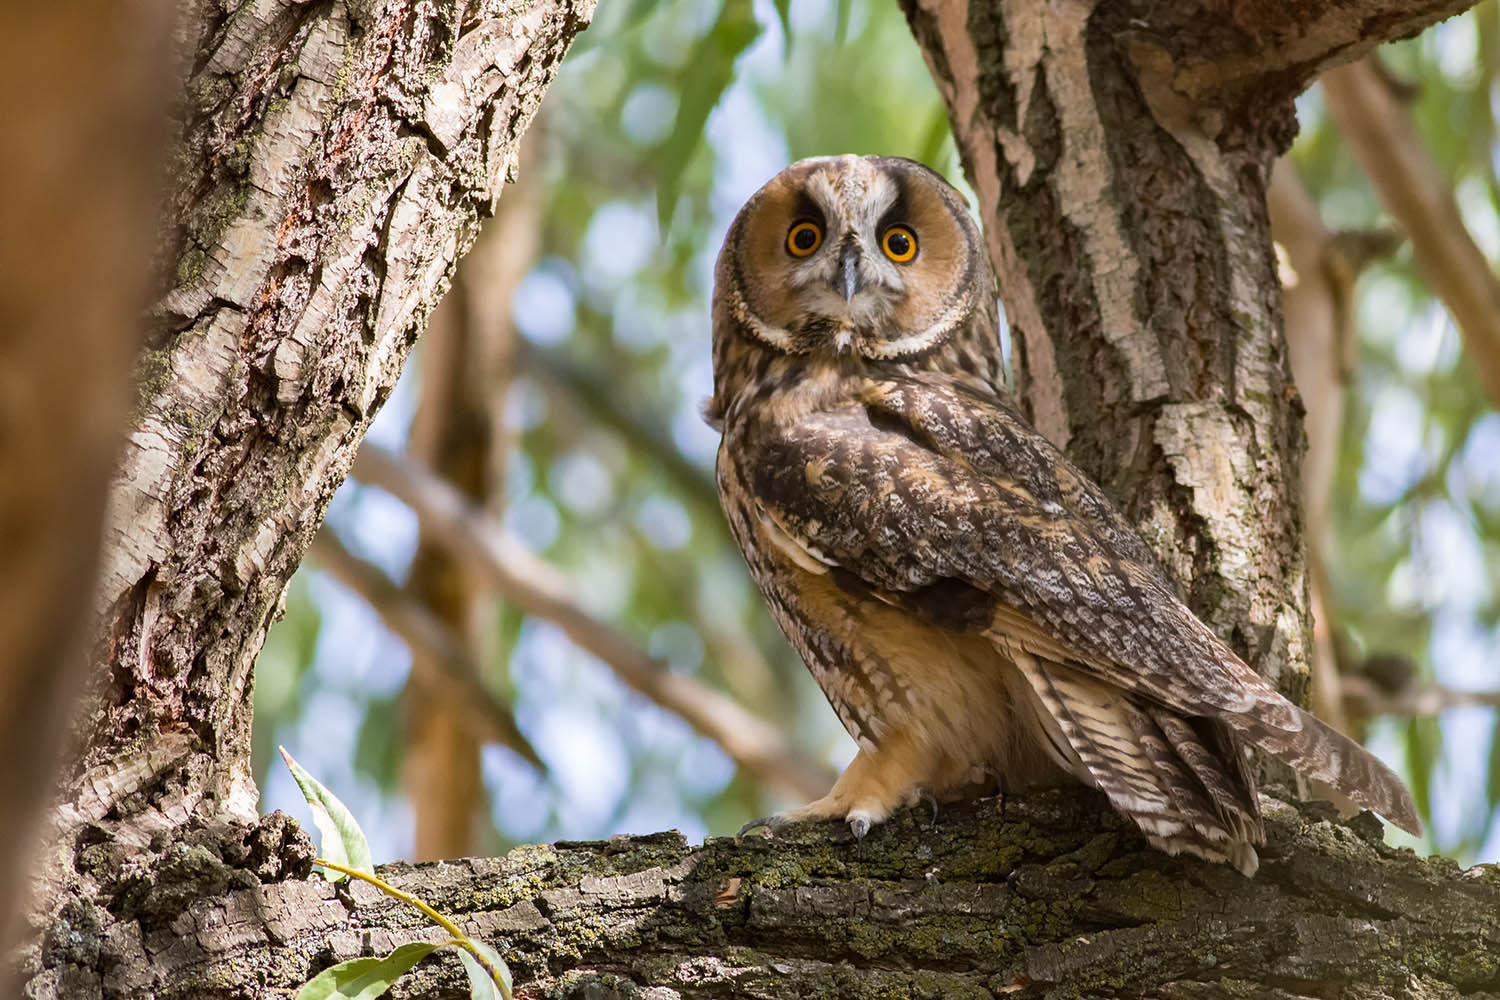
[1121,157]
[1122,153]
[331,162]
[1057,898]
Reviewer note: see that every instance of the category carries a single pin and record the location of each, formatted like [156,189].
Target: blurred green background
[664,119]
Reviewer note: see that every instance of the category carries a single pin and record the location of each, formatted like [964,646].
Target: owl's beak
[849,271]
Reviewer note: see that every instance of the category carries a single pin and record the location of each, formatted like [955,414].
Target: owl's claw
[859,826]
[770,824]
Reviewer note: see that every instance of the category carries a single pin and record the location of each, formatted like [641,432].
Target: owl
[974,608]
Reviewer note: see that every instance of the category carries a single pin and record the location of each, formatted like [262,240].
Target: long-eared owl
[973,606]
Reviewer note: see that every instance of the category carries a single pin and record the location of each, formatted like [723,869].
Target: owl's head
[868,256]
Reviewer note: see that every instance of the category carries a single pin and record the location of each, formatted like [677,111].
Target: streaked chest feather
[886,672]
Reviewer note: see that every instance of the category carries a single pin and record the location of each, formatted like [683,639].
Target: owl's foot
[773,822]
[869,790]
[860,820]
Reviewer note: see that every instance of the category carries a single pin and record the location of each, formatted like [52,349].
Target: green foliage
[366,978]
[369,977]
[343,841]
[702,82]
[1415,534]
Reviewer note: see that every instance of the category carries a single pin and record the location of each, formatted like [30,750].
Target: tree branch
[1367,699]
[593,393]
[435,649]
[540,590]
[1266,50]
[1383,136]
[1057,898]
[327,165]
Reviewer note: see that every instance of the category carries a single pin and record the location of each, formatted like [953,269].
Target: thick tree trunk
[1121,153]
[331,163]
[329,173]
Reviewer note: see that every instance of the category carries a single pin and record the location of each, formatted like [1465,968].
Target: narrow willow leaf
[496,961]
[481,985]
[343,841]
[704,79]
[365,978]
[784,15]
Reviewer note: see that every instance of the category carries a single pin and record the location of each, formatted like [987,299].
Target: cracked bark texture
[1057,897]
[1121,153]
[330,162]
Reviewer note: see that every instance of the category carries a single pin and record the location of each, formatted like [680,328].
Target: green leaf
[841,22]
[365,978]
[704,80]
[1424,744]
[481,985]
[784,15]
[343,841]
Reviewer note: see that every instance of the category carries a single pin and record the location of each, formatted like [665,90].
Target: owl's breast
[883,670]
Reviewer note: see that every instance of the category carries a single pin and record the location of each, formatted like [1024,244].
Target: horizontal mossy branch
[1055,897]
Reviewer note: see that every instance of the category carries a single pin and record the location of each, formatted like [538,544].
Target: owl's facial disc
[854,255]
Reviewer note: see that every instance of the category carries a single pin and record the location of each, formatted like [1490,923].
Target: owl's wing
[949,505]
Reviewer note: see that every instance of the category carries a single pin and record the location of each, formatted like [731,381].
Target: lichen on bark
[1051,894]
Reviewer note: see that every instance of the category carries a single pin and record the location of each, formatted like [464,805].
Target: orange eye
[804,238]
[899,244]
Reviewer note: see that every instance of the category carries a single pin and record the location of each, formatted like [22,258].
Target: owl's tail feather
[1317,750]
[1169,775]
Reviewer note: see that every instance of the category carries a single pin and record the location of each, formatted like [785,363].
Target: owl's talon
[859,826]
[770,824]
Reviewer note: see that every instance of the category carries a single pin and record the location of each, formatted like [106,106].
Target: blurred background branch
[538,589]
[446,663]
[458,432]
[1371,111]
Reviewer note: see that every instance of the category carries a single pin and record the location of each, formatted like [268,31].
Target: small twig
[433,645]
[591,391]
[1364,697]
[539,589]
[1380,130]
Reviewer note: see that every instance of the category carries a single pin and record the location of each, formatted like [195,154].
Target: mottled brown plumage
[973,606]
